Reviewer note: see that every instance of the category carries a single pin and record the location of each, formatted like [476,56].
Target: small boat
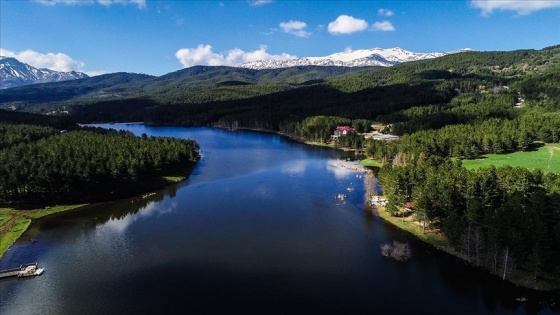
[39,271]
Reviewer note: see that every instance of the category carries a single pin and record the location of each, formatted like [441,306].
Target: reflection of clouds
[118,225]
[294,168]
[152,209]
[338,171]
[158,208]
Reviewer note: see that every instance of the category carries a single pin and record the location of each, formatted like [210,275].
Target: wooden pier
[28,270]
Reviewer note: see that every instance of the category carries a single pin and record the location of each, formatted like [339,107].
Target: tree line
[472,140]
[82,164]
[493,216]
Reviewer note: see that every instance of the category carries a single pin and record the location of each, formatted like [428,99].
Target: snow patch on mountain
[14,73]
[351,58]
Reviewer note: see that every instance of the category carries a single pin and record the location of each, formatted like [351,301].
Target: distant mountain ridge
[353,58]
[15,73]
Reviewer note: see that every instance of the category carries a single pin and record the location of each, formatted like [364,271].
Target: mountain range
[378,57]
[14,73]
[207,94]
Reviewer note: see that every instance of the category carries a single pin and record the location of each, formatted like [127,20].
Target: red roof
[345,128]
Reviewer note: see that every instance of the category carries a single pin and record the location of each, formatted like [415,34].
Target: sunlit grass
[14,223]
[370,162]
[173,179]
[433,237]
[546,158]
[35,214]
[15,231]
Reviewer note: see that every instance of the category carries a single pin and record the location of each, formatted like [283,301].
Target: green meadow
[546,158]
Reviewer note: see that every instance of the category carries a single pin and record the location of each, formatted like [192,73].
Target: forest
[448,109]
[498,218]
[42,165]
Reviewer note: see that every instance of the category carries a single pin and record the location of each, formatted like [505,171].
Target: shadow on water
[472,283]
[256,229]
[97,214]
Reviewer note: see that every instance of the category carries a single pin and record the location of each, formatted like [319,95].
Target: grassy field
[546,158]
[370,162]
[14,222]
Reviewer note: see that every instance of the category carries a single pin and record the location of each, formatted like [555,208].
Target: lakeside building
[343,130]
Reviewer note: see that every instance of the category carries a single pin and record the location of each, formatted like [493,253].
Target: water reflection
[295,167]
[151,209]
[256,229]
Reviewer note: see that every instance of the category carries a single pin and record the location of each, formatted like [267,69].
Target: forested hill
[197,84]
[40,165]
[276,99]
[442,83]
[23,97]
[273,98]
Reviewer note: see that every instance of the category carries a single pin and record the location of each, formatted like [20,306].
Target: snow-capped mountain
[351,58]
[15,73]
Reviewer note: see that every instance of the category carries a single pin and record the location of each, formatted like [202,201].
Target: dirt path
[7,226]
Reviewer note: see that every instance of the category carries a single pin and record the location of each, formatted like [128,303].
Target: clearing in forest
[546,158]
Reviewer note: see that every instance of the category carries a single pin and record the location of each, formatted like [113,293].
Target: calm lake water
[257,228]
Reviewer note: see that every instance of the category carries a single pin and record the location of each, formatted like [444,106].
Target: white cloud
[385,12]
[57,62]
[203,55]
[521,7]
[346,24]
[295,28]
[52,61]
[384,26]
[140,3]
[257,3]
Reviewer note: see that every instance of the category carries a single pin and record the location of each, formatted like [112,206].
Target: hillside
[276,98]
[23,98]
[451,110]
[192,85]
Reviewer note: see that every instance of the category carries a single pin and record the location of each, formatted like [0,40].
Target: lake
[263,225]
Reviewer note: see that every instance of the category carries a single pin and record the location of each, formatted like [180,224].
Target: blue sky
[157,37]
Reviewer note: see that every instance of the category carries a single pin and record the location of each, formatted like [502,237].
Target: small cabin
[343,130]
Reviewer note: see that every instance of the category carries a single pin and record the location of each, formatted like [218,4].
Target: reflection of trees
[474,284]
[371,184]
[100,213]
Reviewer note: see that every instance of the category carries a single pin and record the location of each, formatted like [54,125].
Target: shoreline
[10,233]
[437,241]
[518,277]
[15,222]
[289,136]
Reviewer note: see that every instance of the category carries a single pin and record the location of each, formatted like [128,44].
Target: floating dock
[28,270]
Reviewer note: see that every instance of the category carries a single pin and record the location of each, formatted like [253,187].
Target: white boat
[39,271]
